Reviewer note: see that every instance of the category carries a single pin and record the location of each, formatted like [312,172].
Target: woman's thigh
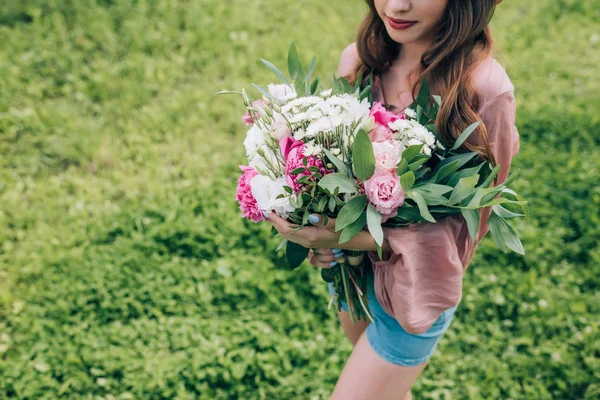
[352,331]
[368,376]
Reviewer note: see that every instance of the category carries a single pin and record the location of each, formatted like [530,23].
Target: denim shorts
[390,341]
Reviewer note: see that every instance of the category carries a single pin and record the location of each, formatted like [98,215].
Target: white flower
[326,93]
[410,113]
[265,190]
[255,139]
[282,92]
[312,149]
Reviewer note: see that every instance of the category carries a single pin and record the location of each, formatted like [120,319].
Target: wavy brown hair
[461,41]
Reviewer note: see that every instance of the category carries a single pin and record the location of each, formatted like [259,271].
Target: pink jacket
[422,276]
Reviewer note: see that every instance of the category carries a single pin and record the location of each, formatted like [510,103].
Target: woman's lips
[400,23]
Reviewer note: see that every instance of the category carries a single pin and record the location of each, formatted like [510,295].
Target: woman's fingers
[327,258]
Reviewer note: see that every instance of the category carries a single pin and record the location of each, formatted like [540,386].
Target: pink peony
[293,153]
[259,105]
[381,115]
[385,193]
[244,196]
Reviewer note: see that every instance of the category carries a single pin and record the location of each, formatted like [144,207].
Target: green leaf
[446,170]
[424,96]
[463,189]
[311,69]
[472,218]
[363,157]
[422,204]
[331,204]
[276,71]
[339,164]
[465,135]
[437,99]
[322,204]
[374,224]
[411,152]
[415,165]
[264,92]
[407,181]
[295,254]
[475,201]
[463,158]
[298,171]
[336,180]
[505,235]
[294,64]
[352,230]
[505,213]
[351,212]
[288,189]
[403,167]
[421,172]
[281,245]
[314,86]
[463,173]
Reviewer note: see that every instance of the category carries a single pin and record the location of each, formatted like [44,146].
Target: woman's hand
[326,258]
[319,236]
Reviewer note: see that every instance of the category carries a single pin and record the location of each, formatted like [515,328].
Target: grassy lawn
[125,268]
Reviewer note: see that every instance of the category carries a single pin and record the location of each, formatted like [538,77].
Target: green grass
[127,272]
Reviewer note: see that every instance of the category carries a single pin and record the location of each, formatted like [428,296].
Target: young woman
[415,290]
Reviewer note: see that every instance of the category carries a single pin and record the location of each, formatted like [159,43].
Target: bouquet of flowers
[335,152]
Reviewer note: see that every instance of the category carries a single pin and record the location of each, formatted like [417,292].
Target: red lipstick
[400,23]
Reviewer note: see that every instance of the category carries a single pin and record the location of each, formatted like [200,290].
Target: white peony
[265,190]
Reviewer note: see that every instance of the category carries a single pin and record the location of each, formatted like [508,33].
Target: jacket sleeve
[422,276]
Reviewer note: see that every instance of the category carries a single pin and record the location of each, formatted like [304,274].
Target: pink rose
[385,193]
[280,128]
[244,196]
[259,105]
[293,153]
[387,155]
[380,133]
[381,115]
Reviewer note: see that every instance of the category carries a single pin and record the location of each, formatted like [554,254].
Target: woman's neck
[411,53]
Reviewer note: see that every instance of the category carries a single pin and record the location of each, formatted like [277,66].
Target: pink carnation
[293,153]
[244,196]
[385,193]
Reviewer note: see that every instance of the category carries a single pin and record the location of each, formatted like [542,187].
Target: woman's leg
[367,376]
[353,331]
